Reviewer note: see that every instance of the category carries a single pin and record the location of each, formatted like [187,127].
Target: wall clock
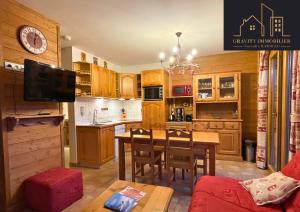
[33,40]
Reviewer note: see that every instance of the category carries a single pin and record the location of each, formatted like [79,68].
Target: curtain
[295,107]
[262,109]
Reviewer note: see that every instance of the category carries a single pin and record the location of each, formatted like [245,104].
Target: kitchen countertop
[111,123]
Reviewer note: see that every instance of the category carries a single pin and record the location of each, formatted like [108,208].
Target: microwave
[153,93]
[182,90]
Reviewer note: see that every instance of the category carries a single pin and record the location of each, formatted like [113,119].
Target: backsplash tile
[106,109]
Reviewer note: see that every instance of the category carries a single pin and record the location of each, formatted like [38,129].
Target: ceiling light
[189,57]
[175,49]
[194,52]
[171,60]
[177,62]
[162,56]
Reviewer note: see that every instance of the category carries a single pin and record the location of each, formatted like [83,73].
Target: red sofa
[213,194]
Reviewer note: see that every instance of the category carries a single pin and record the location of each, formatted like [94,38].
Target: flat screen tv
[47,84]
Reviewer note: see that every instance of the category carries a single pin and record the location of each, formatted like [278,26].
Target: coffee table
[157,198]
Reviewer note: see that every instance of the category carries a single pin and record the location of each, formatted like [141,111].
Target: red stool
[53,190]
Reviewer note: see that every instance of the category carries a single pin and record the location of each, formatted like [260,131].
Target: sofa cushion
[292,169]
[275,188]
[225,194]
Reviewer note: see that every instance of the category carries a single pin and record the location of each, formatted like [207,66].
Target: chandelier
[176,62]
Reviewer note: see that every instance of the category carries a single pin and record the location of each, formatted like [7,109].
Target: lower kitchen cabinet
[229,134]
[95,145]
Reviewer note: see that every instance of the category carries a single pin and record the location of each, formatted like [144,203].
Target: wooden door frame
[273,54]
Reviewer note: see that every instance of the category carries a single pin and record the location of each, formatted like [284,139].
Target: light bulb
[171,60]
[194,52]
[162,56]
[175,49]
[189,57]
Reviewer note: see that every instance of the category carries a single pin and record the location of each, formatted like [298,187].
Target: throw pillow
[274,188]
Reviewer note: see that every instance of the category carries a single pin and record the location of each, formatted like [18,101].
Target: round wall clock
[33,40]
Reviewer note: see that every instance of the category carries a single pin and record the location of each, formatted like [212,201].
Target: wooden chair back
[175,148]
[141,140]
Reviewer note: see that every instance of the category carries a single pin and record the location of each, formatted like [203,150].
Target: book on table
[125,200]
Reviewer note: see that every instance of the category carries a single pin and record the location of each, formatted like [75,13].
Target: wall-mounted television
[47,84]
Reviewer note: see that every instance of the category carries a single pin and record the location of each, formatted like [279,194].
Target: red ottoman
[53,190]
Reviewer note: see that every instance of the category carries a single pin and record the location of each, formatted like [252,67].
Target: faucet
[95,116]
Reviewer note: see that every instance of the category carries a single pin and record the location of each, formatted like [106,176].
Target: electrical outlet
[14,66]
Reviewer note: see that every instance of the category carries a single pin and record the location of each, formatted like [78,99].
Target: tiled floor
[97,180]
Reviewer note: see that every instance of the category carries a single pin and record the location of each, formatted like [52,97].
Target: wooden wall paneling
[35,148]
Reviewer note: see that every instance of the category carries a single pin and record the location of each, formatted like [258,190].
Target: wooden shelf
[13,121]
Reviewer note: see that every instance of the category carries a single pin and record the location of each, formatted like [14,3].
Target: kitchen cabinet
[216,87]
[153,114]
[95,145]
[229,134]
[179,125]
[107,147]
[96,89]
[128,86]
[227,86]
[112,84]
[152,77]
[204,88]
[104,82]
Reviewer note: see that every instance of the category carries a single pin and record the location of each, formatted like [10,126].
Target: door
[128,86]
[274,110]
[204,88]
[229,143]
[227,87]
[153,115]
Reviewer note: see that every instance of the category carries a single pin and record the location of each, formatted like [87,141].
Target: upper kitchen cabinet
[104,82]
[112,84]
[128,85]
[96,91]
[83,78]
[217,87]
[152,77]
[227,86]
[204,88]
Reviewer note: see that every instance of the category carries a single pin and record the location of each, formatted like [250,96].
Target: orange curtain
[295,107]
[262,110]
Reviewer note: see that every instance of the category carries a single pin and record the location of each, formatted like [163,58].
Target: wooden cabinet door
[153,114]
[128,85]
[204,88]
[229,143]
[227,87]
[96,80]
[88,146]
[112,84]
[152,77]
[107,144]
[104,82]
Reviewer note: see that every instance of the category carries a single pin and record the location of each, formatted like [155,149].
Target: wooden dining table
[202,141]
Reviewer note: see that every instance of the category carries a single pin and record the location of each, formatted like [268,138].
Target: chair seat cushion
[53,190]
[224,194]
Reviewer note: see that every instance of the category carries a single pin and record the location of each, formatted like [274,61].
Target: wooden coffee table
[157,198]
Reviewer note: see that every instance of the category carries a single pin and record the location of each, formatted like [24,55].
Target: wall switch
[13,66]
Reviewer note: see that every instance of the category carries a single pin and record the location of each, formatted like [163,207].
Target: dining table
[206,141]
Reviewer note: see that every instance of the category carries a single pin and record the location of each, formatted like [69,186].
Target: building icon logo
[268,25]
[261,25]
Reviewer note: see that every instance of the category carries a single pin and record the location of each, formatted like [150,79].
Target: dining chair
[143,153]
[181,155]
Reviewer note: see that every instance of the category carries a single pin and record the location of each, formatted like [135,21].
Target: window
[252,27]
